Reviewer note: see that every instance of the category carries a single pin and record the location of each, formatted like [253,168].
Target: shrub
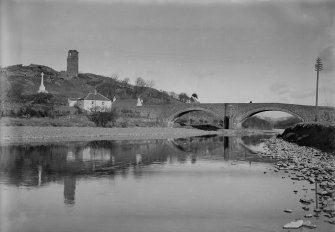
[51,113]
[56,124]
[33,111]
[130,113]
[79,110]
[12,113]
[126,111]
[15,91]
[102,118]
[123,123]
[42,98]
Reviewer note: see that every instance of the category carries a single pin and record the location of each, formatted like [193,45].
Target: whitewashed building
[92,102]
[72,101]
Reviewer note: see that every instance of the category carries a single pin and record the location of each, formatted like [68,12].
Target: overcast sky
[225,51]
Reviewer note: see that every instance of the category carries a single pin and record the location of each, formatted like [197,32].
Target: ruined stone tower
[72,63]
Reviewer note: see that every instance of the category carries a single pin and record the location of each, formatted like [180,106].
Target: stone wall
[234,114]
[238,112]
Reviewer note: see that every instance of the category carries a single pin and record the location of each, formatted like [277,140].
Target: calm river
[199,184]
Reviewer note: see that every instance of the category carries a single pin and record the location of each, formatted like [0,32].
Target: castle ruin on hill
[72,64]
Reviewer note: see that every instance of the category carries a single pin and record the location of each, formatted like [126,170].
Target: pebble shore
[311,165]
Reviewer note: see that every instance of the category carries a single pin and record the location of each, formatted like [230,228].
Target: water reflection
[69,189]
[218,147]
[39,165]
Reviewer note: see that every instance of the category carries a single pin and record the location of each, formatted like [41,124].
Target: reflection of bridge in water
[36,166]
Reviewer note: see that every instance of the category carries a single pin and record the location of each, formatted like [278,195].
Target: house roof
[96,97]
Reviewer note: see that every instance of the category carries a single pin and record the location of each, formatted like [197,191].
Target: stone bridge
[233,114]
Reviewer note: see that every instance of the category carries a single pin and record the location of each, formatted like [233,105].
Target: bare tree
[140,82]
[125,82]
[115,76]
[173,95]
[183,97]
[150,83]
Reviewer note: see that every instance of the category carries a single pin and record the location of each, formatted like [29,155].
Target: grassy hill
[283,123]
[18,82]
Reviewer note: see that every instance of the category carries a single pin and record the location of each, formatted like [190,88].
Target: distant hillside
[18,79]
[255,122]
[268,123]
[284,123]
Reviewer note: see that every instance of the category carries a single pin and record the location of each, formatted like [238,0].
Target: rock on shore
[307,164]
[316,135]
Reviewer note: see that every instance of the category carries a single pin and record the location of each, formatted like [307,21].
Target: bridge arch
[171,119]
[252,112]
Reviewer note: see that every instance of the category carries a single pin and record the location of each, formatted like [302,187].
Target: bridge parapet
[238,112]
[171,113]
[234,114]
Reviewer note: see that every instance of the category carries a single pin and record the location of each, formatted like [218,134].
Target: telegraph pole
[318,68]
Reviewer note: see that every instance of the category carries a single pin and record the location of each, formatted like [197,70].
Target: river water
[192,184]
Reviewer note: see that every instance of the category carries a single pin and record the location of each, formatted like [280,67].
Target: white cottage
[93,101]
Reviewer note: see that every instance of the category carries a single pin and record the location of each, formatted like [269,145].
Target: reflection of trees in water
[126,153]
[207,147]
[40,164]
[254,139]
[201,145]
[21,163]
[218,147]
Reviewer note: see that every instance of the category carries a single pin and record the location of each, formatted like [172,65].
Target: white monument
[42,87]
[139,102]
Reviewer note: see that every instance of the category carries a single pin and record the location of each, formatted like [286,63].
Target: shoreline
[29,134]
[312,167]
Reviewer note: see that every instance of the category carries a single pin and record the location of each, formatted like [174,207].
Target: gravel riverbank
[312,166]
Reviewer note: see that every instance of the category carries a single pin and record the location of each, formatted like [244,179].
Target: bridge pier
[230,123]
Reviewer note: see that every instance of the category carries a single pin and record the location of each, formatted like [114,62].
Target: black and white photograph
[167,115]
